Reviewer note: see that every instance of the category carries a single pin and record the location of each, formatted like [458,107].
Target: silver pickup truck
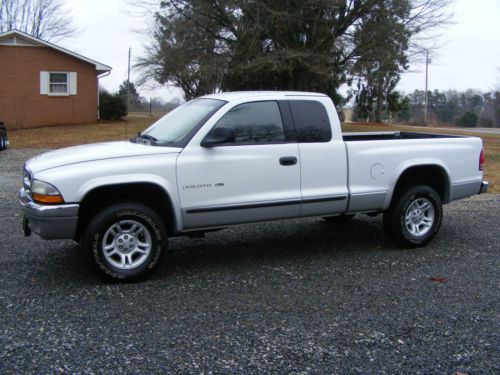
[242,157]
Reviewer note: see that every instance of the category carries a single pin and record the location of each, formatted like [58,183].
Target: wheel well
[149,194]
[431,175]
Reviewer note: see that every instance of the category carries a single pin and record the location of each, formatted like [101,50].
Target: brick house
[42,84]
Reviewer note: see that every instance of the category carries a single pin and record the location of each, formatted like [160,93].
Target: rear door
[255,178]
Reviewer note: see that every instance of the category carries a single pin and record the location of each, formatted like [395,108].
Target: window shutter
[72,83]
[44,83]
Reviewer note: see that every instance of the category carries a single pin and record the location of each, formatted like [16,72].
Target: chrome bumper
[484,187]
[49,222]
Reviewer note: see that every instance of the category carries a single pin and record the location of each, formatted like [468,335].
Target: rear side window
[311,121]
[255,123]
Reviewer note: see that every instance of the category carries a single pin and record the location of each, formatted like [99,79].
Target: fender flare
[421,162]
[169,190]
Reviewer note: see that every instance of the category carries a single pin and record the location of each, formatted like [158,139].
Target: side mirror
[219,136]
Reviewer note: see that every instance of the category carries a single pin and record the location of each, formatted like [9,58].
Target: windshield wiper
[144,136]
[148,137]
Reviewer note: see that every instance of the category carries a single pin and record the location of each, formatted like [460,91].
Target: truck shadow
[262,244]
[244,248]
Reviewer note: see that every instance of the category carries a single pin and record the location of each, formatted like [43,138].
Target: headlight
[43,192]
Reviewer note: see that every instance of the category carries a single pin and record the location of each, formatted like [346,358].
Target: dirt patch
[70,135]
[62,136]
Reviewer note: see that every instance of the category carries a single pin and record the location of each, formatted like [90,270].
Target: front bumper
[484,187]
[49,222]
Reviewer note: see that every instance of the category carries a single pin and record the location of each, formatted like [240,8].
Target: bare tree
[44,19]
[427,20]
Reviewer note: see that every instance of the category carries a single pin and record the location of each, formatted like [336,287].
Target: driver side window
[255,123]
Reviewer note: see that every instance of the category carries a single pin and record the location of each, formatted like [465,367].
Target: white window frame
[58,93]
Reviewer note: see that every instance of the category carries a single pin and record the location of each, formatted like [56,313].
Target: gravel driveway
[299,296]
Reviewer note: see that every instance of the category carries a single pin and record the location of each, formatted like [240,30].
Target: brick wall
[22,105]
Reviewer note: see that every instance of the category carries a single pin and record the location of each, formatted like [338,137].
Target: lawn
[69,135]
[61,136]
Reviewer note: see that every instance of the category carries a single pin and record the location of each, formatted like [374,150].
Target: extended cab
[242,157]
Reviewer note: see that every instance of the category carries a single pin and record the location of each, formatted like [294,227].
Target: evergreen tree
[315,45]
[136,102]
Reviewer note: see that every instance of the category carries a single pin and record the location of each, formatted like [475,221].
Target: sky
[470,52]
[469,56]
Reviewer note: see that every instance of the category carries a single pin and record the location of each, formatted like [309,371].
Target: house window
[58,84]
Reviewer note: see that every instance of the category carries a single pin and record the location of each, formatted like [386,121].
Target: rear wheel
[414,217]
[125,241]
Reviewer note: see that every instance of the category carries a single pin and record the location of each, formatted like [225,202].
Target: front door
[255,178]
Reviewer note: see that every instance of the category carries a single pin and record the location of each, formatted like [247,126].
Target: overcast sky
[469,58]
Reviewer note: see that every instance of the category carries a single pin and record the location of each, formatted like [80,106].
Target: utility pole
[128,89]
[426,84]
[128,79]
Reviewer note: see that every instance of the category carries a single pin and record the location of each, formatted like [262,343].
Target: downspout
[100,76]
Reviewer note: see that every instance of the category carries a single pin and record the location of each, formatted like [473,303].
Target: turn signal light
[47,199]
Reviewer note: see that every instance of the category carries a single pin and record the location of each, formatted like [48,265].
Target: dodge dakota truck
[242,157]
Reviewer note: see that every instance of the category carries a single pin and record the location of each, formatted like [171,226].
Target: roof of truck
[245,94]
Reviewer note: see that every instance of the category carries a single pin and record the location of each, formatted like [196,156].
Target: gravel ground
[299,296]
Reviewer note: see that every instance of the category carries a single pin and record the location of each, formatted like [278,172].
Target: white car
[241,157]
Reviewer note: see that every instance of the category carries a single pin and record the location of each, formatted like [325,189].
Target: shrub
[111,106]
[468,119]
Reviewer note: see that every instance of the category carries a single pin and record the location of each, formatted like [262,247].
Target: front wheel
[125,241]
[414,217]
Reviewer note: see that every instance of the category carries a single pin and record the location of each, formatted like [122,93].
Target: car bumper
[484,187]
[49,222]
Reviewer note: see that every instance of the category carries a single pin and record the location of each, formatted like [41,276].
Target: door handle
[288,160]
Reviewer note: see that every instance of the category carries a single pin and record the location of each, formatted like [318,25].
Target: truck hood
[96,151]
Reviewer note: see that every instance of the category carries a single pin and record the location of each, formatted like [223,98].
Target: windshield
[179,125]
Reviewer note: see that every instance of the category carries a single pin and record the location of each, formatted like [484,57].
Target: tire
[125,241]
[3,138]
[339,219]
[414,217]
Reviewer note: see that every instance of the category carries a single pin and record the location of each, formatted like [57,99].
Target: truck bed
[387,136]
[376,162]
